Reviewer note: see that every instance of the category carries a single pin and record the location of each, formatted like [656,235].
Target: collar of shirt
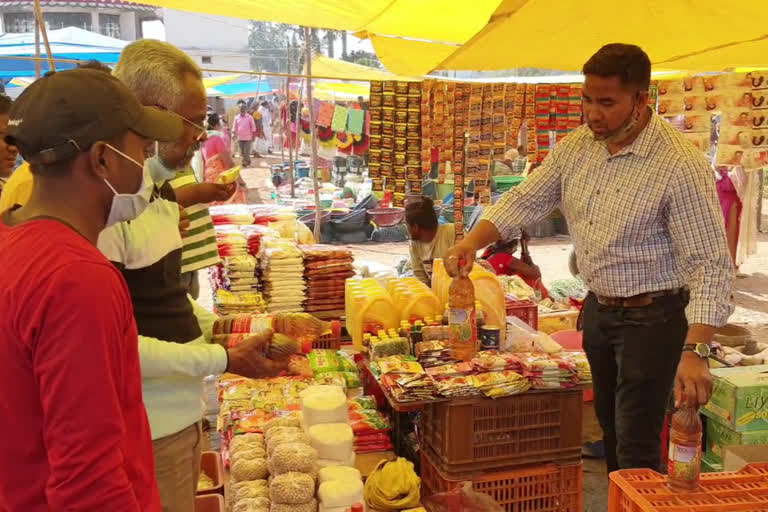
[645,140]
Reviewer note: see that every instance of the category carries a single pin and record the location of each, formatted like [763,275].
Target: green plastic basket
[504,183]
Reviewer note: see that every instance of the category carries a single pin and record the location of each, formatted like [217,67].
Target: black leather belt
[638,301]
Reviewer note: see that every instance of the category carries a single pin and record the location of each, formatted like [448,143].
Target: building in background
[215,42]
[113,18]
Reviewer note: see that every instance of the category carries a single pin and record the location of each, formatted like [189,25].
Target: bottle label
[461,321]
[684,461]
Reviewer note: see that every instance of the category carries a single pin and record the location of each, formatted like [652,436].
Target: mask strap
[122,154]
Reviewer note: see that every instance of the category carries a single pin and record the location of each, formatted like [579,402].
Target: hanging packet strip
[339,123]
[356,119]
[325,114]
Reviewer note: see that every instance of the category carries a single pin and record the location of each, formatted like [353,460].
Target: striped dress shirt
[643,220]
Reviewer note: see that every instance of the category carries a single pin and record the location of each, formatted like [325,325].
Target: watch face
[702,350]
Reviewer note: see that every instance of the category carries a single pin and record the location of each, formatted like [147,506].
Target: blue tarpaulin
[245,88]
[67,43]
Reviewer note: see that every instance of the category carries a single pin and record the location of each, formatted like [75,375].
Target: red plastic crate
[491,434]
[644,490]
[329,341]
[543,488]
[525,310]
[209,503]
[211,463]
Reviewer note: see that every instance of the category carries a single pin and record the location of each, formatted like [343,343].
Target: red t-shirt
[501,263]
[75,435]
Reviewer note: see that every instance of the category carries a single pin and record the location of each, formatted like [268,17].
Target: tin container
[490,336]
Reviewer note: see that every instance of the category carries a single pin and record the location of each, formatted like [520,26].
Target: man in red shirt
[77,436]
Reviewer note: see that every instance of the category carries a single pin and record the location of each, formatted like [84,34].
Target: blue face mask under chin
[158,170]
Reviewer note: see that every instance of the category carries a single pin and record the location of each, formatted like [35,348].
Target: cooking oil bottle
[684,466]
[461,317]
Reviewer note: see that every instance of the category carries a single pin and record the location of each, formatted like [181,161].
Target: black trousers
[633,354]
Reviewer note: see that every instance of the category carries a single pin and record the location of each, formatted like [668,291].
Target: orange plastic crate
[543,488]
[644,490]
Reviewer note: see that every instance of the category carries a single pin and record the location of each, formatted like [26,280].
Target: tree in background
[363,58]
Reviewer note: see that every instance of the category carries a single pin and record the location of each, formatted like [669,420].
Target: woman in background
[501,257]
[217,158]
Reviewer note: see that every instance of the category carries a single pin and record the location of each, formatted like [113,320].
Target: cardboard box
[720,436]
[736,457]
[740,398]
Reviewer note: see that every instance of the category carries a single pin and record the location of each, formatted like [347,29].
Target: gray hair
[155,70]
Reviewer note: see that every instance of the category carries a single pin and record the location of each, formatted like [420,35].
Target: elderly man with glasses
[174,332]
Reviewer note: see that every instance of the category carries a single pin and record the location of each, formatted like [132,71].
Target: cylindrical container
[490,337]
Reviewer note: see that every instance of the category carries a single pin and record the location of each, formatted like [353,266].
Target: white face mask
[157,169]
[127,207]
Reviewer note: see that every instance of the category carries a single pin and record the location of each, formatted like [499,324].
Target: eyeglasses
[196,126]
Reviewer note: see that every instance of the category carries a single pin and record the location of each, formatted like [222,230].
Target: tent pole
[289,133]
[313,138]
[38,62]
[41,24]
[283,133]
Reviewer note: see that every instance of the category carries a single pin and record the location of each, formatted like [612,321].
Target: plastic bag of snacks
[323,361]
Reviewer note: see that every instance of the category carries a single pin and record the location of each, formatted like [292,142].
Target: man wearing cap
[77,436]
[174,331]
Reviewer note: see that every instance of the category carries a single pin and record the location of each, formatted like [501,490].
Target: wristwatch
[700,349]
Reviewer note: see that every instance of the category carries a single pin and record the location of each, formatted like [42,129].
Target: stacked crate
[502,444]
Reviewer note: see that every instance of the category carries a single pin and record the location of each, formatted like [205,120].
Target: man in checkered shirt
[648,233]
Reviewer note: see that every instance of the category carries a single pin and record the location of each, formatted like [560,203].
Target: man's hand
[693,380]
[460,258]
[212,192]
[183,220]
[247,358]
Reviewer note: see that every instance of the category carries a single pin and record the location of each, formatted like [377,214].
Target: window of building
[57,20]
[206,59]
[109,25]
[19,22]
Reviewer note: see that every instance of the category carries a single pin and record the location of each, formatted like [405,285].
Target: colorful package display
[396,137]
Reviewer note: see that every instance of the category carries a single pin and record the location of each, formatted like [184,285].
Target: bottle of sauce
[461,317]
[684,466]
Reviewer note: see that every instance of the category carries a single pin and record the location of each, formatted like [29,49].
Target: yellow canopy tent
[331,90]
[343,70]
[434,20]
[213,81]
[703,35]
[414,37]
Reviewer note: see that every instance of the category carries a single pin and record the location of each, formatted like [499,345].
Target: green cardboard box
[719,436]
[710,463]
[740,398]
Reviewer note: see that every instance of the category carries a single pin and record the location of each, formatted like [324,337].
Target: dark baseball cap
[65,113]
